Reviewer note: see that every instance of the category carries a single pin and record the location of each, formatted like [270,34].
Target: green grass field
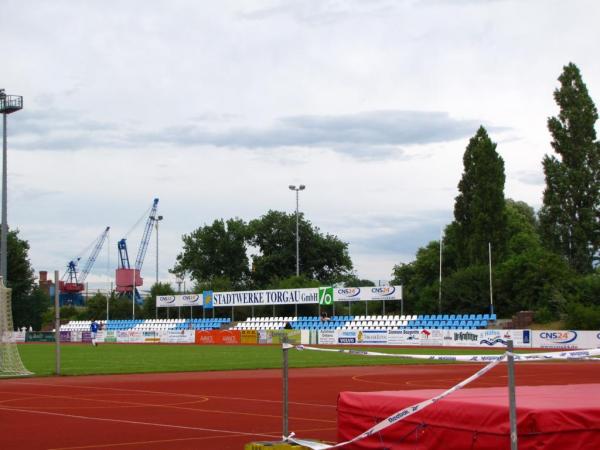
[78,359]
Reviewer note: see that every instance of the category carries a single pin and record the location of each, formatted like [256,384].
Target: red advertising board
[218,337]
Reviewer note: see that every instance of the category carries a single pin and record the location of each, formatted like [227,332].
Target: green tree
[31,310]
[27,306]
[571,210]
[479,208]
[215,251]
[96,307]
[420,280]
[322,257]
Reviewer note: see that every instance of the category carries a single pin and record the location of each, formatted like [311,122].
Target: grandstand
[150,324]
[373,322]
[367,322]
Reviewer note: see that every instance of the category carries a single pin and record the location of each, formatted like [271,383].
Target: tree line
[544,261]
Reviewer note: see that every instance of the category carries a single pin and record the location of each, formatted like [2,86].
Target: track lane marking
[201,410]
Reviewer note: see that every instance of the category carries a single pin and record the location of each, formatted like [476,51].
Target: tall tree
[479,208]
[569,217]
[27,305]
[215,251]
[322,257]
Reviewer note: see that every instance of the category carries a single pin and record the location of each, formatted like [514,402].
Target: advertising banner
[86,337]
[17,336]
[322,295]
[222,337]
[249,337]
[110,337]
[370,293]
[565,339]
[179,300]
[173,336]
[434,338]
[289,336]
[207,299]
[326,337]
[39,336]
[372,337]
[404,337]
[65,336]
[130,336]
[266,297]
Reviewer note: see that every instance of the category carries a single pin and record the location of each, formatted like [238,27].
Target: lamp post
[156,220]
[8,104]
[297,189]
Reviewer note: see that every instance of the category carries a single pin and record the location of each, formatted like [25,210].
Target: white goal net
[10,360]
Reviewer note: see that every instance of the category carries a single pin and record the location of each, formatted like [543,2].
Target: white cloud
[216,107]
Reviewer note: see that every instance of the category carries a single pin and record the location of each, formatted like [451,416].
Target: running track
[219,410]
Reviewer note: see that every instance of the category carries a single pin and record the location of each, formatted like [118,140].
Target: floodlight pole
[297,189]
[512,402]
[8,104]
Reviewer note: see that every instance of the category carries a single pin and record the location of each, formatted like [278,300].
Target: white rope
[522,357]
[399,415]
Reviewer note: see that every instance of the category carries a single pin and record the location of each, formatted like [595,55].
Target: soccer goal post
[10,360]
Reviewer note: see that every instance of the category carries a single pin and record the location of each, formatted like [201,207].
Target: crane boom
[92,259]
[139,260]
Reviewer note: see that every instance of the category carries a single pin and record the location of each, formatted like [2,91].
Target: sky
[216,107]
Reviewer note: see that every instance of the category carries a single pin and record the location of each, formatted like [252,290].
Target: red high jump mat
[548,417]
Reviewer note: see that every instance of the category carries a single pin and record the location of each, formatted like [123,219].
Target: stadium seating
[366,322]
[369,322]
[150,324]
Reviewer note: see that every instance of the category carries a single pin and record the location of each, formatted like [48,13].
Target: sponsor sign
[326,337]
[431,337]
[565,339]
[266,297]
[376,337]
[347,336]
[369,293]
[17,336]
[65,336]
[39,336]
[325,295]
[130,336]
[249,337]
[207,299]
[404,337]
[384,293]
[347,294]
[86,337]
[179,300]
[288,336]
[221,337]
[172,337]
[110,336]
[322,295]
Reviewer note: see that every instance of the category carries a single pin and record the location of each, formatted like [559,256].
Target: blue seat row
[447,317]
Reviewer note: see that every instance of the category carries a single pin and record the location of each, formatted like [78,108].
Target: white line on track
[134,422]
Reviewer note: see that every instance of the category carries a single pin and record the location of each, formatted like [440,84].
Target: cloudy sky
[216,107]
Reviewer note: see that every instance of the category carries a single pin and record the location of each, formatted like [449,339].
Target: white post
[491,290]
[440,286]
[133,296]
[512,401]
[57,322]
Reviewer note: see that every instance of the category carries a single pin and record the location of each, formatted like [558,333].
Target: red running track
[219,410]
